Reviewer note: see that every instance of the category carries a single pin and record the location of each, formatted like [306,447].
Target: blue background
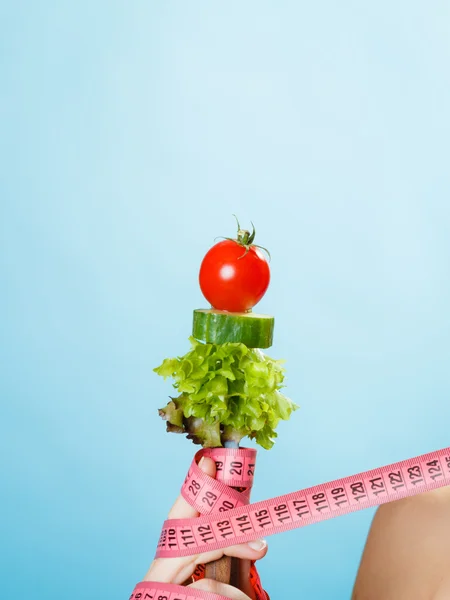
[130,133]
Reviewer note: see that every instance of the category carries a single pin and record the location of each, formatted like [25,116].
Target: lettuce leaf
[227,391]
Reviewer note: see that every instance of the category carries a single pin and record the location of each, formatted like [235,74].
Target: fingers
[182,509]
[178,570]
[209,585]
[252,551]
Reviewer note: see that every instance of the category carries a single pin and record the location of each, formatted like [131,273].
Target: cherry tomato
[234,275]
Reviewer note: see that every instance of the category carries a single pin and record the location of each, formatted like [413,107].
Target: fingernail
[258,544]
[201,461]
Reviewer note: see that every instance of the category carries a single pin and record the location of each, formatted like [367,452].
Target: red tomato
[232,278]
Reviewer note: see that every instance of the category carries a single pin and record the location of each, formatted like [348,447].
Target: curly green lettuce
[226,391]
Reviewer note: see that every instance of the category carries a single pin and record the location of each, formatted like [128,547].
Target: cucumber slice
[219,327]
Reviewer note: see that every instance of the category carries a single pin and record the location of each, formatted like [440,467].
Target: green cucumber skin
[219,327]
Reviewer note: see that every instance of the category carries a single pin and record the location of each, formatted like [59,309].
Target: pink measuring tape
[227,518]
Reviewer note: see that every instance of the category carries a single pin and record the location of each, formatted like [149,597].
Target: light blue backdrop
[130,132]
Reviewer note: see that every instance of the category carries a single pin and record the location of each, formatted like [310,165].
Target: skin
[180,570]
[407,553]
[406,557]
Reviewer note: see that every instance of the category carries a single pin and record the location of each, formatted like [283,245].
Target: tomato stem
[245,239]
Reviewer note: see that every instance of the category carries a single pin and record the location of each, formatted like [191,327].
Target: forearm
[407,554]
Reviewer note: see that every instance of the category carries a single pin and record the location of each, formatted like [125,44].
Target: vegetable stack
[227,388]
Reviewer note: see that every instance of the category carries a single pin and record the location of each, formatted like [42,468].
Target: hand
[179,570]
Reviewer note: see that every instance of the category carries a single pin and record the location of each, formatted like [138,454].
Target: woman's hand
[179,570]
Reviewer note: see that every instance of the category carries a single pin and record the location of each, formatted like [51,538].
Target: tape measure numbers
[227,518]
